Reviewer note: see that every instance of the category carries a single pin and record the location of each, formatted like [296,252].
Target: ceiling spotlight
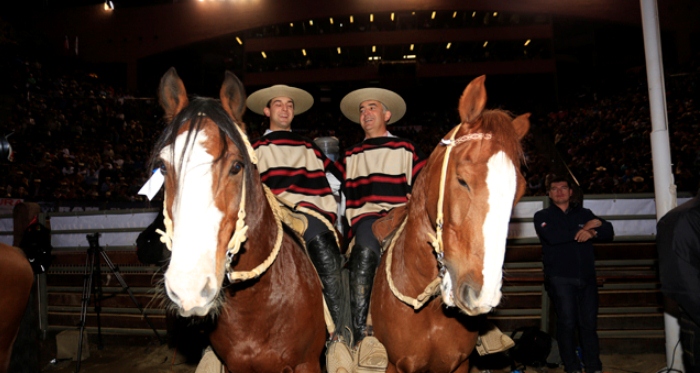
[486,43]
[392,16]
[311,22]
[527,42]
[109,5]
[331,20]
[432,16]
[263,54]
[495,14]
[473,14]
[303,51]
[240,42]
[338,50]
[454,15]
[411,47]
[448,45]
[352,19]
[371,17]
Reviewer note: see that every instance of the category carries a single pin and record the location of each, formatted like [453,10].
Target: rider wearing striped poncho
[294,169]
[378,175]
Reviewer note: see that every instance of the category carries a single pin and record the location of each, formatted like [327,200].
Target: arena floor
[145,355]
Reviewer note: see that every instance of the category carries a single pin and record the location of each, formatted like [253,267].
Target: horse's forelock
[499,123]
[191,119]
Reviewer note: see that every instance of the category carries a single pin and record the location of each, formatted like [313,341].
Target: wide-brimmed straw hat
[350,104]
[259,99]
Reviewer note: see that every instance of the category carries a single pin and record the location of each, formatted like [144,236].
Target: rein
[436,242]
[240,233]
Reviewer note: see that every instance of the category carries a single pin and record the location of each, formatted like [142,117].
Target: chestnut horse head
[204,156]
[474,179]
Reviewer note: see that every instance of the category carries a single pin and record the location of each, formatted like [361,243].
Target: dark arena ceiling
[391,42]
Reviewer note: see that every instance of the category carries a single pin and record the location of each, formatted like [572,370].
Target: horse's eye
[236,168]
[163,169]
[463,183]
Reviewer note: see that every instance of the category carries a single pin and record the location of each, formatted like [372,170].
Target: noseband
[435,240]
[240,233]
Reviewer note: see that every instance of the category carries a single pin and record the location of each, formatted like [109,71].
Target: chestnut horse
[16,277]
[452,242]
[231,258]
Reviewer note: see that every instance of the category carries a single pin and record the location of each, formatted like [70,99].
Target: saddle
[294,220]
[385,228]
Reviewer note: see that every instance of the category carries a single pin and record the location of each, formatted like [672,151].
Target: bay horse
[17,278]
[451,243]
[231,258]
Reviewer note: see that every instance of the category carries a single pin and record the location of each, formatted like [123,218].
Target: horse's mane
[190,116]
[499,124]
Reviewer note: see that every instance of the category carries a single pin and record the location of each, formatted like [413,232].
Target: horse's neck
[414,264]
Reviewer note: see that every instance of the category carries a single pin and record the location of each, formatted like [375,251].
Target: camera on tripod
[92,286]
[93,239]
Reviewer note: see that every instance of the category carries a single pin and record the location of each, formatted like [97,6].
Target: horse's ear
[473,100]
[172,94]
[233,98]
[521,124]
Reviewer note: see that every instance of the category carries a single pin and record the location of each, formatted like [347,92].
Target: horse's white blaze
[501,181]
[191,279]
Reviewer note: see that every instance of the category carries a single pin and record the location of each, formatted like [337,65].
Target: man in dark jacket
[567,232]
[678,243]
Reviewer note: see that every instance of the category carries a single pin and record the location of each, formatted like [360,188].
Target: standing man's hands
[584,235]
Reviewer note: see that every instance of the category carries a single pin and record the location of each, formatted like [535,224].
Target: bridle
[435,240]
[240,232]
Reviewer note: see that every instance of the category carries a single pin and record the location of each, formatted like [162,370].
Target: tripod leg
[126,287]
[87,289]
[97,293]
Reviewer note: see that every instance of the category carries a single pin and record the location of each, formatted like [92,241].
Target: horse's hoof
[371,356]
[338,358]
[210,363]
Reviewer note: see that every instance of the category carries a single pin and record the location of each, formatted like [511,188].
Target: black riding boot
[325,255]
[363,264]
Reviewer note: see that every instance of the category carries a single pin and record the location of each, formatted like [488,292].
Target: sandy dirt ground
[145,354]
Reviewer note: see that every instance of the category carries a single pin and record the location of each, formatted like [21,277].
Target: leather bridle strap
[436,242]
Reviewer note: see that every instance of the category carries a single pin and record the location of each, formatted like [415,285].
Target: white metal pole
[664,187]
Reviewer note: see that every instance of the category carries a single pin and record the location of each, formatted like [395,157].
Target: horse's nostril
[174,297]
[208,288]
[468,294]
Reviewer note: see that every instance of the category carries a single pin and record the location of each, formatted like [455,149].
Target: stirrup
[493,341]
[371,356]
[338,357]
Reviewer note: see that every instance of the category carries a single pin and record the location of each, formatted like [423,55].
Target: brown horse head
[206,164]
[482,183]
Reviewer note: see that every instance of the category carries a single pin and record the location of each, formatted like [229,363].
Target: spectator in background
[678,243]
[567,232]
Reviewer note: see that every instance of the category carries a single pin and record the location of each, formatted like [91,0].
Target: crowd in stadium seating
[78,139]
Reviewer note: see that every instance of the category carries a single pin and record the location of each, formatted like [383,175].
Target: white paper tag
[153,184]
